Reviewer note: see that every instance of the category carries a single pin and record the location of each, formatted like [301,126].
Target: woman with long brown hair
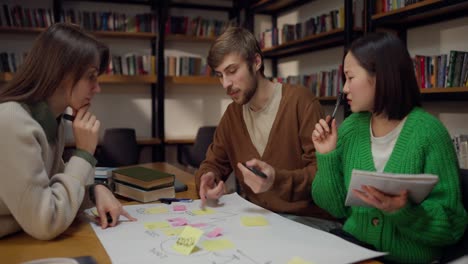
[39,193]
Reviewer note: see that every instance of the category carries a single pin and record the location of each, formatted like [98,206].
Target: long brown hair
[62,52]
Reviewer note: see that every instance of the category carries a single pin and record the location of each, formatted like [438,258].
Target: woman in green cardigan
[388,132]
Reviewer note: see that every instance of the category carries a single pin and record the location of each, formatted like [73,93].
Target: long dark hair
[61,52]
[385,57]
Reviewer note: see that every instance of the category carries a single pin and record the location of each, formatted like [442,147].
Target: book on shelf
[442,71]
[143,178]
[143,195]
[418,185]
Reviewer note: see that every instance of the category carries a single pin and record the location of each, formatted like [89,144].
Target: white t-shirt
[382,147]
[259,123]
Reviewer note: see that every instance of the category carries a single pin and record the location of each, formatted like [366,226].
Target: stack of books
[103,174]
[143,184]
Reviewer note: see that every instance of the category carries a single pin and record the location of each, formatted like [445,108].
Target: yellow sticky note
[156,225]
[173,231]
[207,211]
[187,240]
[298,260]
[254,221]
[156,210]
[217,244]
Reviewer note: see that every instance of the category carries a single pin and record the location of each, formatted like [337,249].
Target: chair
[119,148]
[461,248]
[194,155]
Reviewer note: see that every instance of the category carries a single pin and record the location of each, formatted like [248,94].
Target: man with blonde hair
[268,126]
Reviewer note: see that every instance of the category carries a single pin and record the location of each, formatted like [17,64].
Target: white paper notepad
[418,185]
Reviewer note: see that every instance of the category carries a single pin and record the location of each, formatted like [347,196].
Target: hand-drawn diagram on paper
[234,232]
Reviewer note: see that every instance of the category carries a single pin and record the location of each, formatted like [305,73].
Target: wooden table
[79,239]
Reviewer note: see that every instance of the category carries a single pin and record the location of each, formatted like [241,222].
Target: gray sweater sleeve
[42,201]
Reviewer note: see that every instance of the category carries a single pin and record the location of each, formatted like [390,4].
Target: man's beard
[249,93]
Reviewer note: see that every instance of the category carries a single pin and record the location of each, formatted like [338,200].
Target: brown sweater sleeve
[217,160]
[299,181]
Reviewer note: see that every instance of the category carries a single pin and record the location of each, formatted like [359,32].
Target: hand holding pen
[85,129]
[325,133]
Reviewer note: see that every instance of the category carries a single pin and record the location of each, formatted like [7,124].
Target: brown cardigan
[289,150]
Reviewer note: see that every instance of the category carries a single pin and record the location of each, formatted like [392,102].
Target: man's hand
[209,189]
[255,182]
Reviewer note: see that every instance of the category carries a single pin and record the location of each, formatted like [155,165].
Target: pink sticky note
[198,225]
[179,208]
[177,219]
[179,223]
[215,233]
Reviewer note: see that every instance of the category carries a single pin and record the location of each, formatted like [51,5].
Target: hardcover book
[143,177]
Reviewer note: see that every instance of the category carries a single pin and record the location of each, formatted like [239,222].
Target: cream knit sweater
[39,193]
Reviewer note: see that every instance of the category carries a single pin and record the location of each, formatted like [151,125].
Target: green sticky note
[187,240]
[156,210]
[298,260]
[217,245]
[173,231]
[156,225]
[254,221]
[207,211]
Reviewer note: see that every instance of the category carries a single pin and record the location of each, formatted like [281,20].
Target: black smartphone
[255,171]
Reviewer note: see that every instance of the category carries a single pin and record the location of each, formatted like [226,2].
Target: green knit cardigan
[416,233]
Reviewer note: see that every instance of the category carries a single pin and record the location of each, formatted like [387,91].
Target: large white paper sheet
[278,242]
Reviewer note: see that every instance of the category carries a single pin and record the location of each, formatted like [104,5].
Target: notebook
[418,185]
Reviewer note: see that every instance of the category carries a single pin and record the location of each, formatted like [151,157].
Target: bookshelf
[180,37]
[336,37]
[113,34]
[415,15]
[275,6]
[194,97]
[128,79]
[20,30]
[319,41]
[192,80]
[53,13]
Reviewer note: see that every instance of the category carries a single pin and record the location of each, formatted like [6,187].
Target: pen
[68,117]
[170,200]
[255,171]
[337,105]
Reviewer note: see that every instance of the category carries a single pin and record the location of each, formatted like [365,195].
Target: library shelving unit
[197,80]
[419,14]
[157,91]
[325,40]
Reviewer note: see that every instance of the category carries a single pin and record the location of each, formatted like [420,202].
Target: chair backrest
[461,248]
[119,148]
[197,152]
